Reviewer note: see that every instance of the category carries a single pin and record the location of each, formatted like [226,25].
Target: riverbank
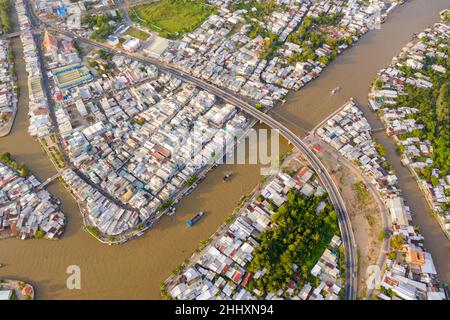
[415,113]
[232,263]
[27,209]
[354,72]
[408,261]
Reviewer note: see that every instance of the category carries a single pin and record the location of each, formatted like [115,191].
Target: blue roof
[62,11]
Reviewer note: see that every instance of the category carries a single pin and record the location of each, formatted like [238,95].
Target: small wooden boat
[335,90]
[227,177]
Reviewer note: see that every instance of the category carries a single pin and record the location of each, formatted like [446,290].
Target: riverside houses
[8,96]
[138,135]
[419,61]
[219,271]
[26,209]
[255,55]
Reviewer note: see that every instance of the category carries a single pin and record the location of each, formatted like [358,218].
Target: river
[354,71]
[135,270]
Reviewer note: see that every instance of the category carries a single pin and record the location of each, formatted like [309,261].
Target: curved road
[324,176]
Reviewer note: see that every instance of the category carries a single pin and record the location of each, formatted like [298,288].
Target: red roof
[301,172]
[59,96]
[318,148]
[291,284]
[247,279]
[236,276]
[163,151]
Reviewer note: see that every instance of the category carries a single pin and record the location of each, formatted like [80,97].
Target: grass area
[5,8]
[57,157]
[137,33]
[172,18]
[362,194]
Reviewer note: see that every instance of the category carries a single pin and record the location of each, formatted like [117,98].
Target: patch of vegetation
[230,218]
[381,150]
[172,18]
[271,45]
[299,235]
[378,84]
[165,205]
[362,194]
[39,234]
[371,220]
[312,34]
[5,8]
[137,33]
[9,161]
[102,24]
[57,157]
[163,290]
[93,230]
[392,255]
[342,262]
[397,241]
[139,227]
[189,182]
[14,296]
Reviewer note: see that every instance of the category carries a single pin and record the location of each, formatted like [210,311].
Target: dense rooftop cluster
[26,209]
[410,272]
[412,97]
[8,93]
[67,13]
[136,133]
[39,113]
[258,50]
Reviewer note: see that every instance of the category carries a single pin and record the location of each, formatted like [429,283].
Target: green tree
[378,84]
[397,241]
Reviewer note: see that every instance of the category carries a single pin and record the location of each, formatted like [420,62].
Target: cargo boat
[195,219]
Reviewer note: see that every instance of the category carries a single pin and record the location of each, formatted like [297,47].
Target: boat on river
[336,90]
[227,177]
